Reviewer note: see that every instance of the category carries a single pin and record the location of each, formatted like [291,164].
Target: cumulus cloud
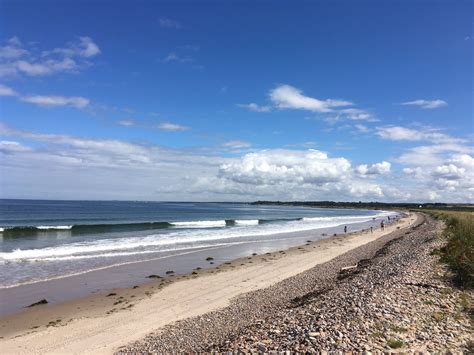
[289,97]
[432,154]
[172,127]
[443,171]
[374,169]
[16,59]
[280,165]
[55,101]
[71,167]
[256,108]
[429,104]
[7,91]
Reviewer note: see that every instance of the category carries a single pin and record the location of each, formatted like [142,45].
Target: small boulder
[39,303]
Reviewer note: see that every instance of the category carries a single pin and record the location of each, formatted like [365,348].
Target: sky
[237,100]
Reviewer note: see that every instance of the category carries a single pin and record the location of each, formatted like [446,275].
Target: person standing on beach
[345,229]
[382,225]
[371,229]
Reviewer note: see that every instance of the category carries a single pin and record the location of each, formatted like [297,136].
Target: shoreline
[104,322]
[59,289]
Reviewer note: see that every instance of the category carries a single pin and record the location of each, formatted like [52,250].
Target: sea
[43,240]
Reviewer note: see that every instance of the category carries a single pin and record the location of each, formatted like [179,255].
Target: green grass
[458,253]
[397,329]
[377,335]
[395,343]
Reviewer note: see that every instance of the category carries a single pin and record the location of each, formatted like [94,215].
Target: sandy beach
[103,323]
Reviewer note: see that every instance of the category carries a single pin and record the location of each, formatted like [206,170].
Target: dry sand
[101,323]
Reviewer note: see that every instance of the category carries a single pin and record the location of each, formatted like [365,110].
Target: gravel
[396,299]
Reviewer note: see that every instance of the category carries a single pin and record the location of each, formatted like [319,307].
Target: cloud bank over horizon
[77,166]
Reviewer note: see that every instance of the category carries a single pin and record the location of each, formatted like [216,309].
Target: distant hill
[372,205]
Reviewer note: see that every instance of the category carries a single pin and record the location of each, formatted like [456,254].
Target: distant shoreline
[370,205]
[321,204]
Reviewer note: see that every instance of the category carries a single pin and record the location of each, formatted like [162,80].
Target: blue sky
[237,100]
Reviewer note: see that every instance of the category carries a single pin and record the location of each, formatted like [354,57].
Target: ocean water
[40,240]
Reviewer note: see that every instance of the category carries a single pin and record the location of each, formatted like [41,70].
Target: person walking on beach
[371,229]
[382,225]
[345,229]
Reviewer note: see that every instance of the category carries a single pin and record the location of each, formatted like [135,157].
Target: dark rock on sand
[39,303]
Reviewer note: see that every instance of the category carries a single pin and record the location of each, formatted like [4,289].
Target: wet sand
[102,322]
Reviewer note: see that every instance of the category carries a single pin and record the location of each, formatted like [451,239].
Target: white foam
[54,227]
[246,222]
[192,238]
[199,224]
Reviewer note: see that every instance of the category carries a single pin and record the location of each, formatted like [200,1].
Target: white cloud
[174,57]
[398,133]
[357,114]
[127,123]
[280,165]
[87,47]
[54,101]
[256,108]
[47,67]
[168,23]
[286,96]
[382,168]
[172,127]
[11,147]
[430,104]
[83,47]
[362,128]
[236,144]
[13,49]
[451,175]
[366,189]
[7,91]
[16,59]
[429,155]
[78,167]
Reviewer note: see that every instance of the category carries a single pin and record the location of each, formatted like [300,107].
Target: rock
[39,303]
[154,276]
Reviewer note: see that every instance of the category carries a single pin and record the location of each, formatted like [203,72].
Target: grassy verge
[458,253]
